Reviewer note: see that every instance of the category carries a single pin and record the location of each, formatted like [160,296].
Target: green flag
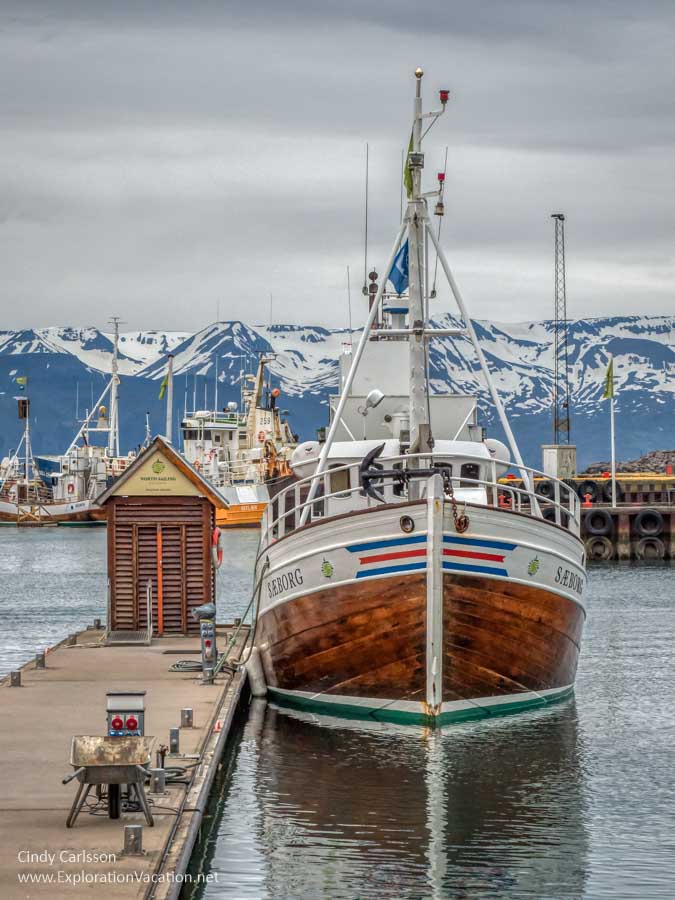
[162,387]
[407,172]
[609,382]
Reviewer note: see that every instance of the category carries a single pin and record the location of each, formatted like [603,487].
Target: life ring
[198,465]
[216,548]
[71,488]
[261,435]
[598,522]
[649,523]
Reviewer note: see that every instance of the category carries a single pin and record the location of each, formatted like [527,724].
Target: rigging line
[440,222]
[425,342]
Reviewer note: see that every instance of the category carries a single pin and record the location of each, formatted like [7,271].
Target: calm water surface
[575,801]
[53,581]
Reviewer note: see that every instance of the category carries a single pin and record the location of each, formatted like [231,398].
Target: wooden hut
[161,516]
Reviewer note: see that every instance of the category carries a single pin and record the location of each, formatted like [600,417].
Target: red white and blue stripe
[482,556]
[388,557]
[409,554]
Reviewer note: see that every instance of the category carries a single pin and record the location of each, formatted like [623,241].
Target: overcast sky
[166,160]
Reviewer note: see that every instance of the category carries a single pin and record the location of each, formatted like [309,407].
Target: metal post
[15,679]
[174,741]
[133,840]
[434,643]
[186,718]
[415,220]
[158,781]
[40,660]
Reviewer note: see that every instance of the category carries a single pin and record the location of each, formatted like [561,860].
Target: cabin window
[216,437]
[339,481]
[472,471]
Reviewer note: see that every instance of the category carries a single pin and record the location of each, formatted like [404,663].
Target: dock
[39,856]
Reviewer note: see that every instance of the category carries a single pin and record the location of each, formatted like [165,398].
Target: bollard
[174,740]
[71,640]
[587,501]
[15,679]
[133,840]
[237,623]
[161,755]
[186,718]
[97,624]
[157,781]
[40,661]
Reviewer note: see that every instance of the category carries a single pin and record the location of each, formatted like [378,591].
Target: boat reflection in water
[323,807]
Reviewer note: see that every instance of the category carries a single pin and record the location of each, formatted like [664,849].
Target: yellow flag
[163,387]
[609,382]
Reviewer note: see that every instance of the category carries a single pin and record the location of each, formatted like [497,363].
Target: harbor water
[574,801]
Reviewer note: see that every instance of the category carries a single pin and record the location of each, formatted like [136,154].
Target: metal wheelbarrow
[113,761]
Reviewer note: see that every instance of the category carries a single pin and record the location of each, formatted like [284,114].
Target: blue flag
[399,271]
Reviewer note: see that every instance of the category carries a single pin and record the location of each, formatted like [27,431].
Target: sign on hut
[161,518]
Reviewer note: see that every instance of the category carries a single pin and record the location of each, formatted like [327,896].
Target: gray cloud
[161,160]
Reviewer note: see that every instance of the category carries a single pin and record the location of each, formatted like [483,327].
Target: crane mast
[561,385]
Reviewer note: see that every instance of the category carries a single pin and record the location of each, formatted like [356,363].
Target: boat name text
[567,578]
[285,582]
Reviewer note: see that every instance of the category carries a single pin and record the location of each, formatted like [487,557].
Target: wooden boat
[400,579]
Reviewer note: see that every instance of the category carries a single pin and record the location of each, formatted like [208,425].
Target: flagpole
[169,399]
[611,432]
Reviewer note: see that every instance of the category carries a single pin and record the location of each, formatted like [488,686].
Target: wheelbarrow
[113,761]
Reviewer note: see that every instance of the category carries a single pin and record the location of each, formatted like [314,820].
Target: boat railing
[284,513]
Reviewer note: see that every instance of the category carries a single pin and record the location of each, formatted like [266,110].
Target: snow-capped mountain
[63,363]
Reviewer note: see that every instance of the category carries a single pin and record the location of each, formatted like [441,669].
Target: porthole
[407,524]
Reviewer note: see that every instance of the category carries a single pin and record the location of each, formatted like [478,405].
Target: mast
[415,220]
[114,432]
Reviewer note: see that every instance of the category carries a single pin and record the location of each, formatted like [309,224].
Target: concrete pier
[39,856]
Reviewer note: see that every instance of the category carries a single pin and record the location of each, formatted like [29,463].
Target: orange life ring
[261,435]
[71,488]
[216,548]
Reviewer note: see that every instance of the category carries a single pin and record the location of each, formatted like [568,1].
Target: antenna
[440,210]
[561,386]
[349,305]
[365,235]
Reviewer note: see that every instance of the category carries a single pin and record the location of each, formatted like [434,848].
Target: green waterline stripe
[404,717]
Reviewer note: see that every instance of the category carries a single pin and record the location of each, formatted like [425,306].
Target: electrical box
[126,713]
[559,460]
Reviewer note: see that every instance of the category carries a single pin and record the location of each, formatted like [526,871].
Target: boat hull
[80,512]
[361,648]
[240,515]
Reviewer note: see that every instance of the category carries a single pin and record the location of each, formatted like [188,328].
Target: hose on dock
[194,665]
